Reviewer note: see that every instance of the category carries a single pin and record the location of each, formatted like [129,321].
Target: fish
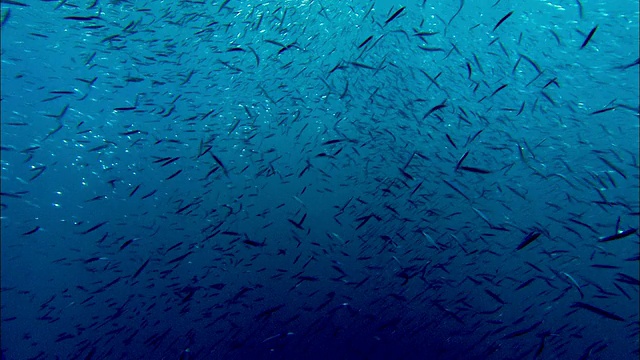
[504,18]
[14,2]
[596,310]
[580,10]
[90,260]
[619,235]
[82,18]
[170,160]
[406,174]
[149,194]
[455,188]
[475,170]
[498,89]
[179,258]
[395,15]
[531,237]
[363,66]
[451,141]
[39,171]
[125,244]
[252,243]
[32,231]
[612,166]
[4,17]
[174,174]
[219,162]
[495,296]
[624,278]
[134,190]
[223,5]
[525,284]
[464,156]
[430,240]
[522,332]
[364,42]
[456,13]
[94,228]
[100,147]
[433,109]
[629,65]
[589,36]
[575,283]
[298,224]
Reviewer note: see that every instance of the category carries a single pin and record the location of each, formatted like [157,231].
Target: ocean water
[320,179]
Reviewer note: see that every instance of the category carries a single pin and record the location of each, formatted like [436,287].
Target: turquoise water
[255,180]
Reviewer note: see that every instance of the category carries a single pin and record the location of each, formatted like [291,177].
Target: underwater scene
[320,179]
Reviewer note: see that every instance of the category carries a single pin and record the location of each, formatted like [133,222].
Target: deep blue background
[337,287]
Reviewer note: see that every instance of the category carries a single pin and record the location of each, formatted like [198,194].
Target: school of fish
[232,179]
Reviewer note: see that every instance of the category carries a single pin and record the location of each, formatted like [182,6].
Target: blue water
[253,180]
